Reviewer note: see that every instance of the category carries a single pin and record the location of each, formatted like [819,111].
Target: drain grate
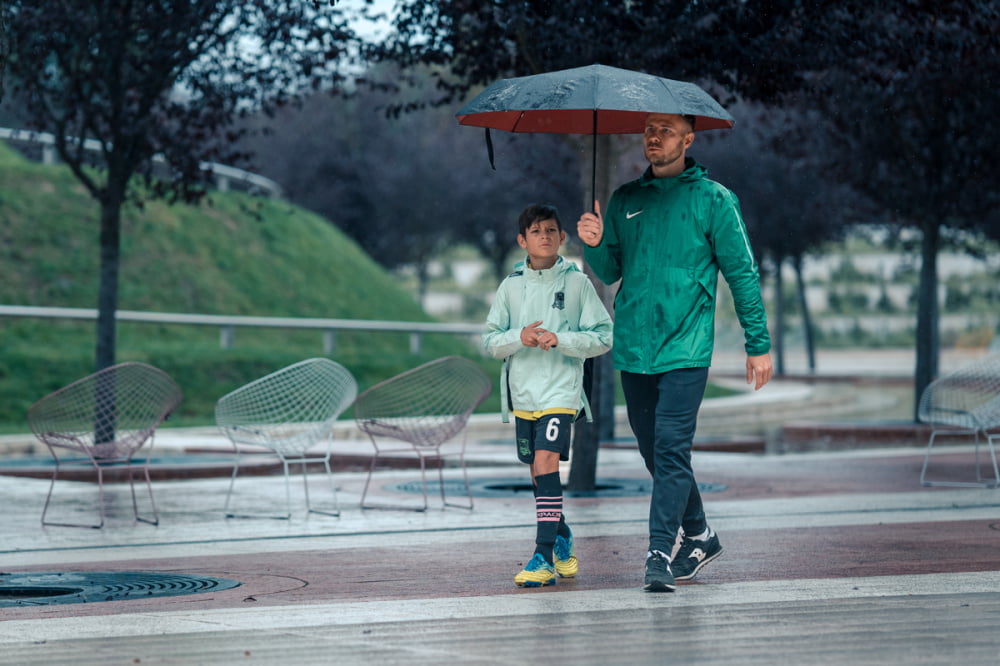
[507,486]
[48,588]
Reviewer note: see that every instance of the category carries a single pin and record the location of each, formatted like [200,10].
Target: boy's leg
[539,571]
[552,438]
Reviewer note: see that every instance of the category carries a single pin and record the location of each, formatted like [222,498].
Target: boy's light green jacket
[565,301]
[667,239]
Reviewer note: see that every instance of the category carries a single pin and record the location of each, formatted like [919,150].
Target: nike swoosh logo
[629,216]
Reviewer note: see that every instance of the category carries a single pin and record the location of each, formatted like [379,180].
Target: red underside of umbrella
[575,121]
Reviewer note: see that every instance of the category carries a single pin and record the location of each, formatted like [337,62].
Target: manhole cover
[507,486]
[44,588]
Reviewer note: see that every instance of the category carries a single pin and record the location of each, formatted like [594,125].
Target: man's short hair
[537,213]
[690,120]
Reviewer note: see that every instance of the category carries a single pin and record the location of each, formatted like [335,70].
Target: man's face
[666,139]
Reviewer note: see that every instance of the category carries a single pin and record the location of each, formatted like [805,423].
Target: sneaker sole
[700,566]
[659,586]
[535,583]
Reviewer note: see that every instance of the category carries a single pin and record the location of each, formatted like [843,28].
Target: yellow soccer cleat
[565,557]
[537,573]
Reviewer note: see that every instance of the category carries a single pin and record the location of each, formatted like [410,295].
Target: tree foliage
[406,186]
[157,86]
[905,87]
[4,45]
[907,107]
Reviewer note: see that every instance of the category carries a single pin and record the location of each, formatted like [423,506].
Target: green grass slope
[234,254]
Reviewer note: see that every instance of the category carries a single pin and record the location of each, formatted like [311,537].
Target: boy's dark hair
[537,213]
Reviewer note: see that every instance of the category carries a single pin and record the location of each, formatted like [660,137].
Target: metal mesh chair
[424,407]
[288,412]
[962,403]
[106,417]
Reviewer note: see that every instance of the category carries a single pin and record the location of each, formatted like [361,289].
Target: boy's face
[542,240]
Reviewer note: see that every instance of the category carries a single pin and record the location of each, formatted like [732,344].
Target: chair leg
[149,488]
[995,482]
[423,482]
[333,490]
[468,488]
[288,489]
[100,499]
[980,482]
[232,480]
[371,471]
[927,458]
[465,478]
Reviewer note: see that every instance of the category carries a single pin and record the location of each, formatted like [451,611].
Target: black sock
[564,530]
[548,510]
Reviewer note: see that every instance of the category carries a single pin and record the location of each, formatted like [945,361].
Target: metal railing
[225,176]
[228,324]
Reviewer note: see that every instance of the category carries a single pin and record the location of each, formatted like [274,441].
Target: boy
[546,319]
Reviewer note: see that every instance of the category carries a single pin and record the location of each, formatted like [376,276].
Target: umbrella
[596,99]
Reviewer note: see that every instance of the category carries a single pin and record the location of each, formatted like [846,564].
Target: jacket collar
[692,171]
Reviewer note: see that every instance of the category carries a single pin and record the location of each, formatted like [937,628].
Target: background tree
[909,108]
[161,80]
[406,186]
[4,44]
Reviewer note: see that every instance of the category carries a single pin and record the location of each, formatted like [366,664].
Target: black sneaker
[694,554]
[658,576]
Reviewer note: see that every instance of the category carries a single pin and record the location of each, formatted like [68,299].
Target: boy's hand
[533,335]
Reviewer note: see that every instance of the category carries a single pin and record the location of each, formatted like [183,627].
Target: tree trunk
[927,313]
[107,307]
[779,318]
[107,295]
[807,327]
[423,278]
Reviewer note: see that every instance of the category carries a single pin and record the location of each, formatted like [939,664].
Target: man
[667,236]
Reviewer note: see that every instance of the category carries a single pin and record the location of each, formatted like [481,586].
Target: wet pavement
[830,557]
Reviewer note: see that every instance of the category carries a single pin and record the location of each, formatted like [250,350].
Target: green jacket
[667,239]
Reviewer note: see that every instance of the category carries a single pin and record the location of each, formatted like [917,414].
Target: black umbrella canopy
[595,99]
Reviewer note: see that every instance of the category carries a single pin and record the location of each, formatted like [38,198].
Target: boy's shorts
[549,433]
